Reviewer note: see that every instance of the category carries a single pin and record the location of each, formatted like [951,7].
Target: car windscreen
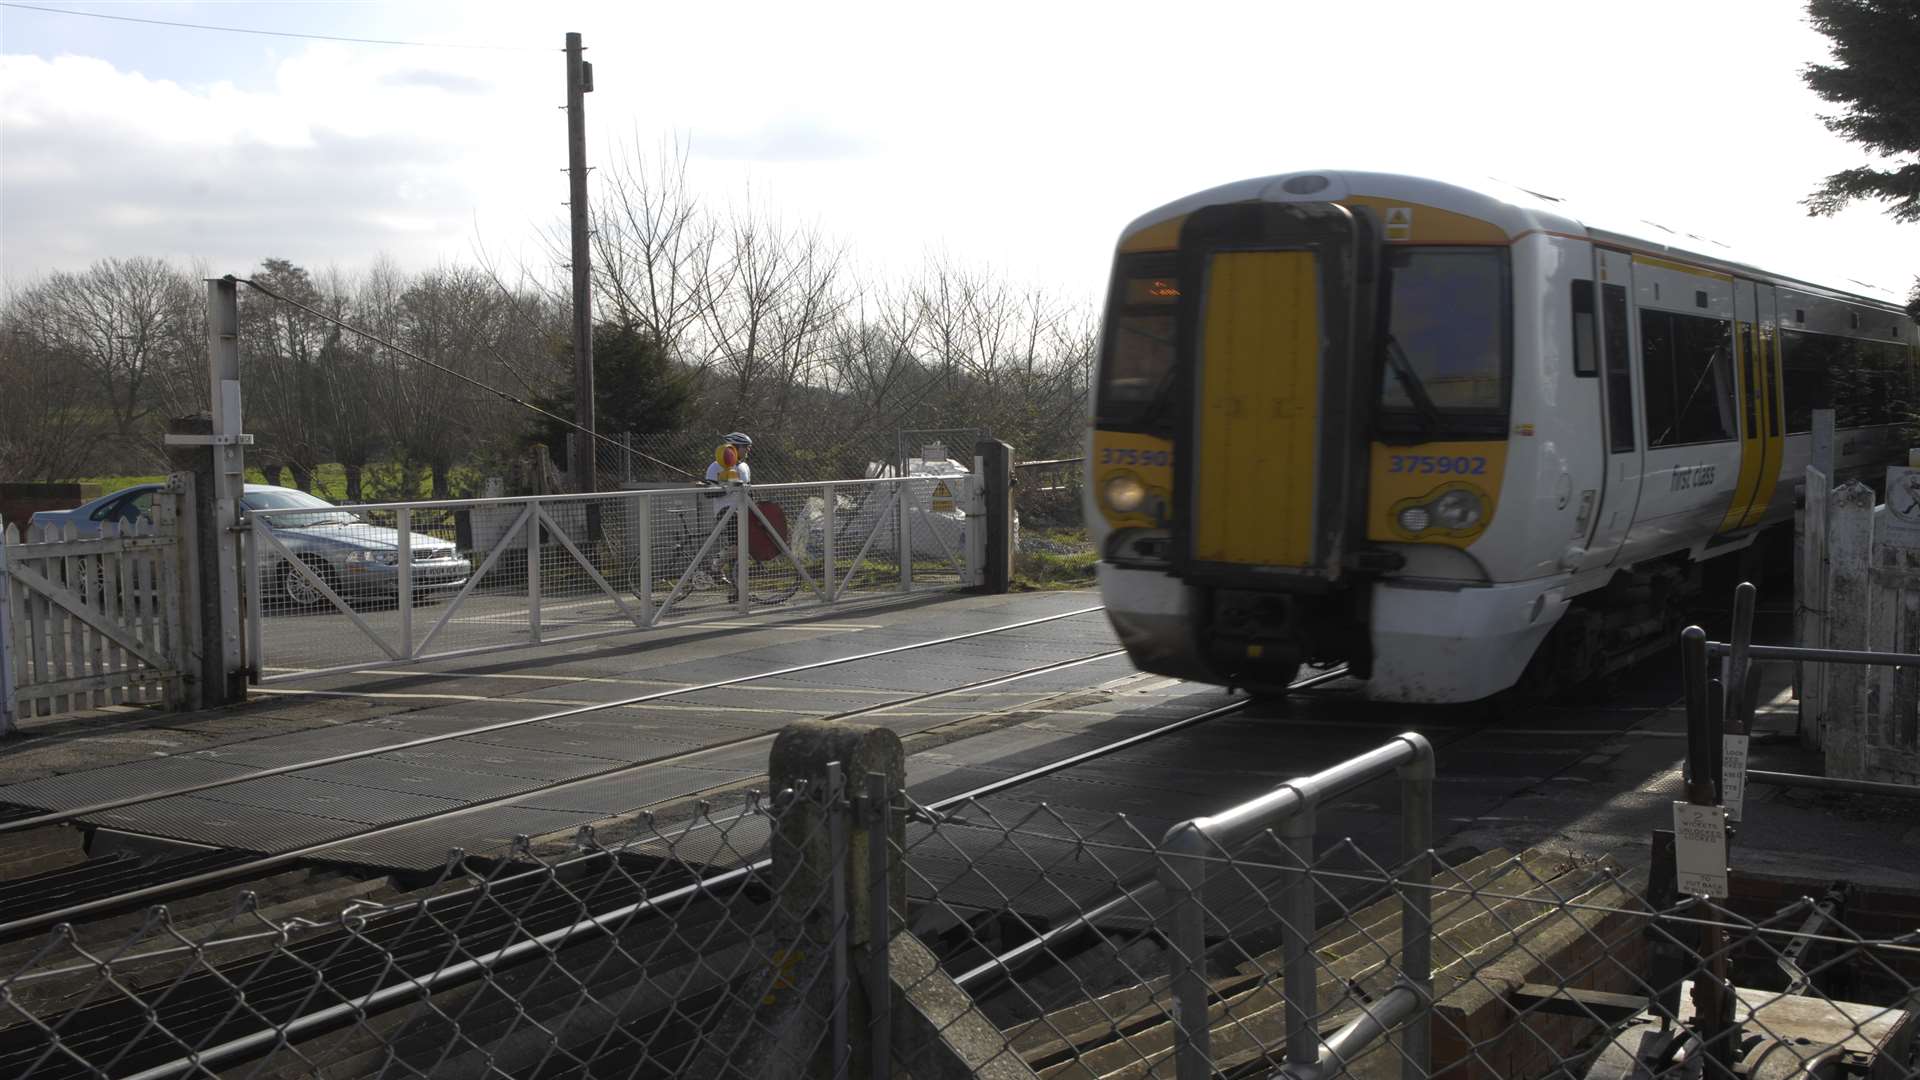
[324,512]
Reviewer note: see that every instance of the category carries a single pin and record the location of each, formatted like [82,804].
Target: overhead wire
[271,33]
[462,376]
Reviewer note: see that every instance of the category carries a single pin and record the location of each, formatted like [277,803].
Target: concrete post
[819,839]
[208,680]
[932,1028]
[996,476]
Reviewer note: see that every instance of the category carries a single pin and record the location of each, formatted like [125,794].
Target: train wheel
[1271,687]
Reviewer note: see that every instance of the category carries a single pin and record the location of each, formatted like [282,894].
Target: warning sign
[1700,850]
[1400,223]
[1903,501]
[942,498]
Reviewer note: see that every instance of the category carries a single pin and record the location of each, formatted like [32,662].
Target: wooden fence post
[1849,551]
[1811,583]
[1891,748]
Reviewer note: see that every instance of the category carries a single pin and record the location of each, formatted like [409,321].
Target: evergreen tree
[1876,81]
[635,387]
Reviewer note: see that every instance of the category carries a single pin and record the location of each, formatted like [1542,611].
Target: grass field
[1054,559]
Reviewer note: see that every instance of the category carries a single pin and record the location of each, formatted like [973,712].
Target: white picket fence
[1860,590]
[89,622]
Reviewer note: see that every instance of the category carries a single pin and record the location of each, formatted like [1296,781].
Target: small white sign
[1733,773]
[1903,499]
[1700,849]
[1400,223]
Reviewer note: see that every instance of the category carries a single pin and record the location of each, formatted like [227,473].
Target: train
[1458,438]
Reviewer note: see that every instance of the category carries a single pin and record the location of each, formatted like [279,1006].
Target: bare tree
[455,318]
[48,423]
[119,323]
[653,249]
[282,352]
[767,314]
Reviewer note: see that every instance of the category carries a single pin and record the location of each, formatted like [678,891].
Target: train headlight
[1125,493]
[1414,519]
[1456,510]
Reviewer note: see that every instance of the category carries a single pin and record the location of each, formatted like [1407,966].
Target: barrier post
[997,479]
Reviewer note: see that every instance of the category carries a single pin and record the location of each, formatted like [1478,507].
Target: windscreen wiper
[1410,382]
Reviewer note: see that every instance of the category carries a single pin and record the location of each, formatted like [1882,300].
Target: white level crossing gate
[92,620]
[356,587]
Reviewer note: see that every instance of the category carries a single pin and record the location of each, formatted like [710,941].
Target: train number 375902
[1430,463]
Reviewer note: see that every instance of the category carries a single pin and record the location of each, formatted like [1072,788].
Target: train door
[1619,389]
[1767,358]
[1750,406]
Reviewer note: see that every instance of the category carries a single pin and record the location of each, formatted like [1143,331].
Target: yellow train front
[1408,426]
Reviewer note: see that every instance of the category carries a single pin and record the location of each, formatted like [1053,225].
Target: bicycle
[771,578]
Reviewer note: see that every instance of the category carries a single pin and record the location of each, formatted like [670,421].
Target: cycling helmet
[738,438]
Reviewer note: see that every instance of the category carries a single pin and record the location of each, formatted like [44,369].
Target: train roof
[1517,212]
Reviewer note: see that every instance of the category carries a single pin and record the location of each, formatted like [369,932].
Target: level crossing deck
[538,776]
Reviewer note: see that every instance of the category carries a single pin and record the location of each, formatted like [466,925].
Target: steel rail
[998,786]
[61,816]
[416,987]
[280,858]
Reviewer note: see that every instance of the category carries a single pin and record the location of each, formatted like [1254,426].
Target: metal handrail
[1291,809]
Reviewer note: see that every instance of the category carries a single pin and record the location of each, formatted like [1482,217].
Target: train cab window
[1137,368]
[1688,366]
[1586,362]
[1447,347]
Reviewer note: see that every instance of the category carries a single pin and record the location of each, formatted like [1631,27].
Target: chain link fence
[837,928]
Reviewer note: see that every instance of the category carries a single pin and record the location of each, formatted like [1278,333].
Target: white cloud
[1020,134]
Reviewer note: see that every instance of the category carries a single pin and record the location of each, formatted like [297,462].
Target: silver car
[355,557]
[352,555]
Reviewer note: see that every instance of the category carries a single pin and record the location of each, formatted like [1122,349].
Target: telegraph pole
[579,84]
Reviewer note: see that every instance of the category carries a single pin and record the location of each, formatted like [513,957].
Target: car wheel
[299,592]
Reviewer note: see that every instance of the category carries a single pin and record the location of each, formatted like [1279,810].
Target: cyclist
[742,447]
[722,474]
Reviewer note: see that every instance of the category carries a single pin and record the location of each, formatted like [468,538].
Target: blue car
[353,556]
[123,507]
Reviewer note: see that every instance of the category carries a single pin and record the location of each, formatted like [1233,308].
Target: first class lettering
[1112,456]
[1695,476]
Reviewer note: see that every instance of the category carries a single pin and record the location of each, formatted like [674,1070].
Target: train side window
[1619,374]
[1804,378]
[1687,363]
[1586,362]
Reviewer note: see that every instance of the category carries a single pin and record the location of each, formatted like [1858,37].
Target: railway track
[88,891]
[395,956]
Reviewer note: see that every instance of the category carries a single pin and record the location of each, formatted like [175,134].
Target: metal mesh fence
[340,587]
[602,961]
[838,929]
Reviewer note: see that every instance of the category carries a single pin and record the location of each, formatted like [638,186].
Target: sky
[1021,136]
